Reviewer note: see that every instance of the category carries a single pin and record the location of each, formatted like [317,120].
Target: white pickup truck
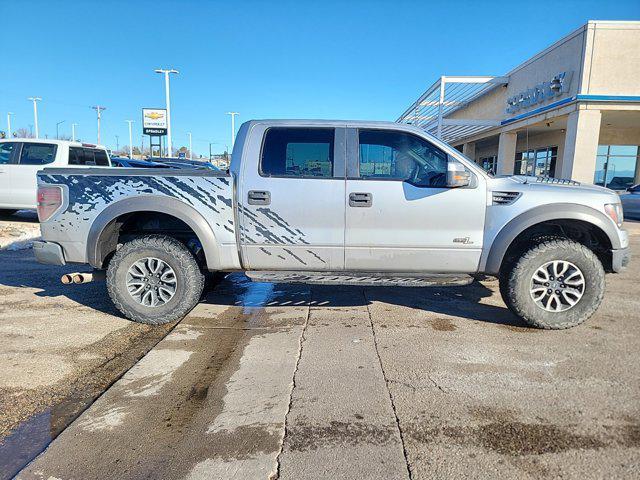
[364,203]
[21,158]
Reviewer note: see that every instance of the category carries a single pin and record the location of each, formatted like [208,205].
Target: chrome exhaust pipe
[83,277]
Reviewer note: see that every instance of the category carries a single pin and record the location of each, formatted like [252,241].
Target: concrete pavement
[277,381]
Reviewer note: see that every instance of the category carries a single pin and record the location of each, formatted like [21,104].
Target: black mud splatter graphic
[92,193]
[315,255]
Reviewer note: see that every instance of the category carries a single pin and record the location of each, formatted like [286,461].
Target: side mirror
[457,176]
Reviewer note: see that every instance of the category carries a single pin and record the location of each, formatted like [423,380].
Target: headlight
[614,210]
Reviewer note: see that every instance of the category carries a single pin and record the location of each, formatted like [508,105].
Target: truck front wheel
[556,284]
[154,279]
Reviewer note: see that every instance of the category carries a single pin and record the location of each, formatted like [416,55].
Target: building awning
[445,96]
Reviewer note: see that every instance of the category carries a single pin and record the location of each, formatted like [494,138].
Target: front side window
[298,152]
[6,149]
[390,155]
[37,154]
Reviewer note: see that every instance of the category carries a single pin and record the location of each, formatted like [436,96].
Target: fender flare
[490,263]
[159,204]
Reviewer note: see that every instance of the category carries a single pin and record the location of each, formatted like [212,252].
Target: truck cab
[365,196]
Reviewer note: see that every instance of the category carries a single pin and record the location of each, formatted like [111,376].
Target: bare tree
[23,133]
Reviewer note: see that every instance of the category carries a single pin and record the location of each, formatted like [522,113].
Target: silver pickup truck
[364,203]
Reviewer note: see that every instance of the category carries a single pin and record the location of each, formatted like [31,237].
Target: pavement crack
[386,381]
[436,384]
[293,387]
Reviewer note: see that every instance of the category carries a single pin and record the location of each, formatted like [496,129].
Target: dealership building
[571,111]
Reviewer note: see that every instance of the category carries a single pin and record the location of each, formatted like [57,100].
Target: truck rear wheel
[154,279]
[556,284]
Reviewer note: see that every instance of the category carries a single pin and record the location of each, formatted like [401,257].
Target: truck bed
[89,192]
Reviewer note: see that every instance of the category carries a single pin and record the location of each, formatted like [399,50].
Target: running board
[366,279]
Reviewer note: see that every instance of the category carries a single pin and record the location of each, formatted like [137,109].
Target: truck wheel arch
[491,262]
[158,204]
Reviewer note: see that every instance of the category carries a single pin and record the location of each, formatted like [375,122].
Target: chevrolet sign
[154,121]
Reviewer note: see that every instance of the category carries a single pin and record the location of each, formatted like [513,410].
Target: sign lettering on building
[557,86]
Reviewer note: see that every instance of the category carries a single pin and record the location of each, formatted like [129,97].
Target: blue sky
[264,59]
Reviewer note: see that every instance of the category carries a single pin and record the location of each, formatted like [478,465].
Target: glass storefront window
[616,166]
[489,164]
[539,162]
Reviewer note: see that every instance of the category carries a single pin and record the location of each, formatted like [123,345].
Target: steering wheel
[437,179]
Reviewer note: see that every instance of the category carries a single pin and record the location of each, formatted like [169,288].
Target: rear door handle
[259,197]
[358,199]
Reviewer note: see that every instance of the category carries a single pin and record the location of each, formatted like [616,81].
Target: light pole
[168,102]
[233,127]
[130,139]
[117,143]
[58,125]
[35,113]
[190,151]
[99,110]
[73,132]
[9,124]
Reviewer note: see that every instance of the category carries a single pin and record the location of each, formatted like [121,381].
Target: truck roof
[54,142]
[304,122]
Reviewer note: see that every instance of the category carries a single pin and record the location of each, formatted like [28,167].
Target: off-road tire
[509,264]
[190,280]
[515,284]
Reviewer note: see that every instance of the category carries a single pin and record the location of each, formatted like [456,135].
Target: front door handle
[259,197]
[358,199]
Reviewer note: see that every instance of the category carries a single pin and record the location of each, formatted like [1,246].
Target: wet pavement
[290,381]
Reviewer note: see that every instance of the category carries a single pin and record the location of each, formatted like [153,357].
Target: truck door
[291,198]
[400,216]
[33,157]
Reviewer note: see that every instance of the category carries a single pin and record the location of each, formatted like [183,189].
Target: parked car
[135,163]
[335,202]
[21,158]
[631,203]
[185,163]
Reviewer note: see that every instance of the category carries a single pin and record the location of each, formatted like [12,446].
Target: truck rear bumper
[620,259]
[49,253]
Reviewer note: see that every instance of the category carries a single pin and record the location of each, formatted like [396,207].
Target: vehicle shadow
[20,269]
[24,216]
[461,301]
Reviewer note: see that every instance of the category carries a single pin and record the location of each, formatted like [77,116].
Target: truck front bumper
[49,252]
[620,259]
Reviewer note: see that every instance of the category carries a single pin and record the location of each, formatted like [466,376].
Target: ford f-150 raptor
[345,202]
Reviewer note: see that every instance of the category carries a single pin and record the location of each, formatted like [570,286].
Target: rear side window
[88,156]
[6,149]
[298,152]
[101,158]
[37,154]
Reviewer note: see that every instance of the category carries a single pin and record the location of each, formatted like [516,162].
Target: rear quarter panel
[90,193]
